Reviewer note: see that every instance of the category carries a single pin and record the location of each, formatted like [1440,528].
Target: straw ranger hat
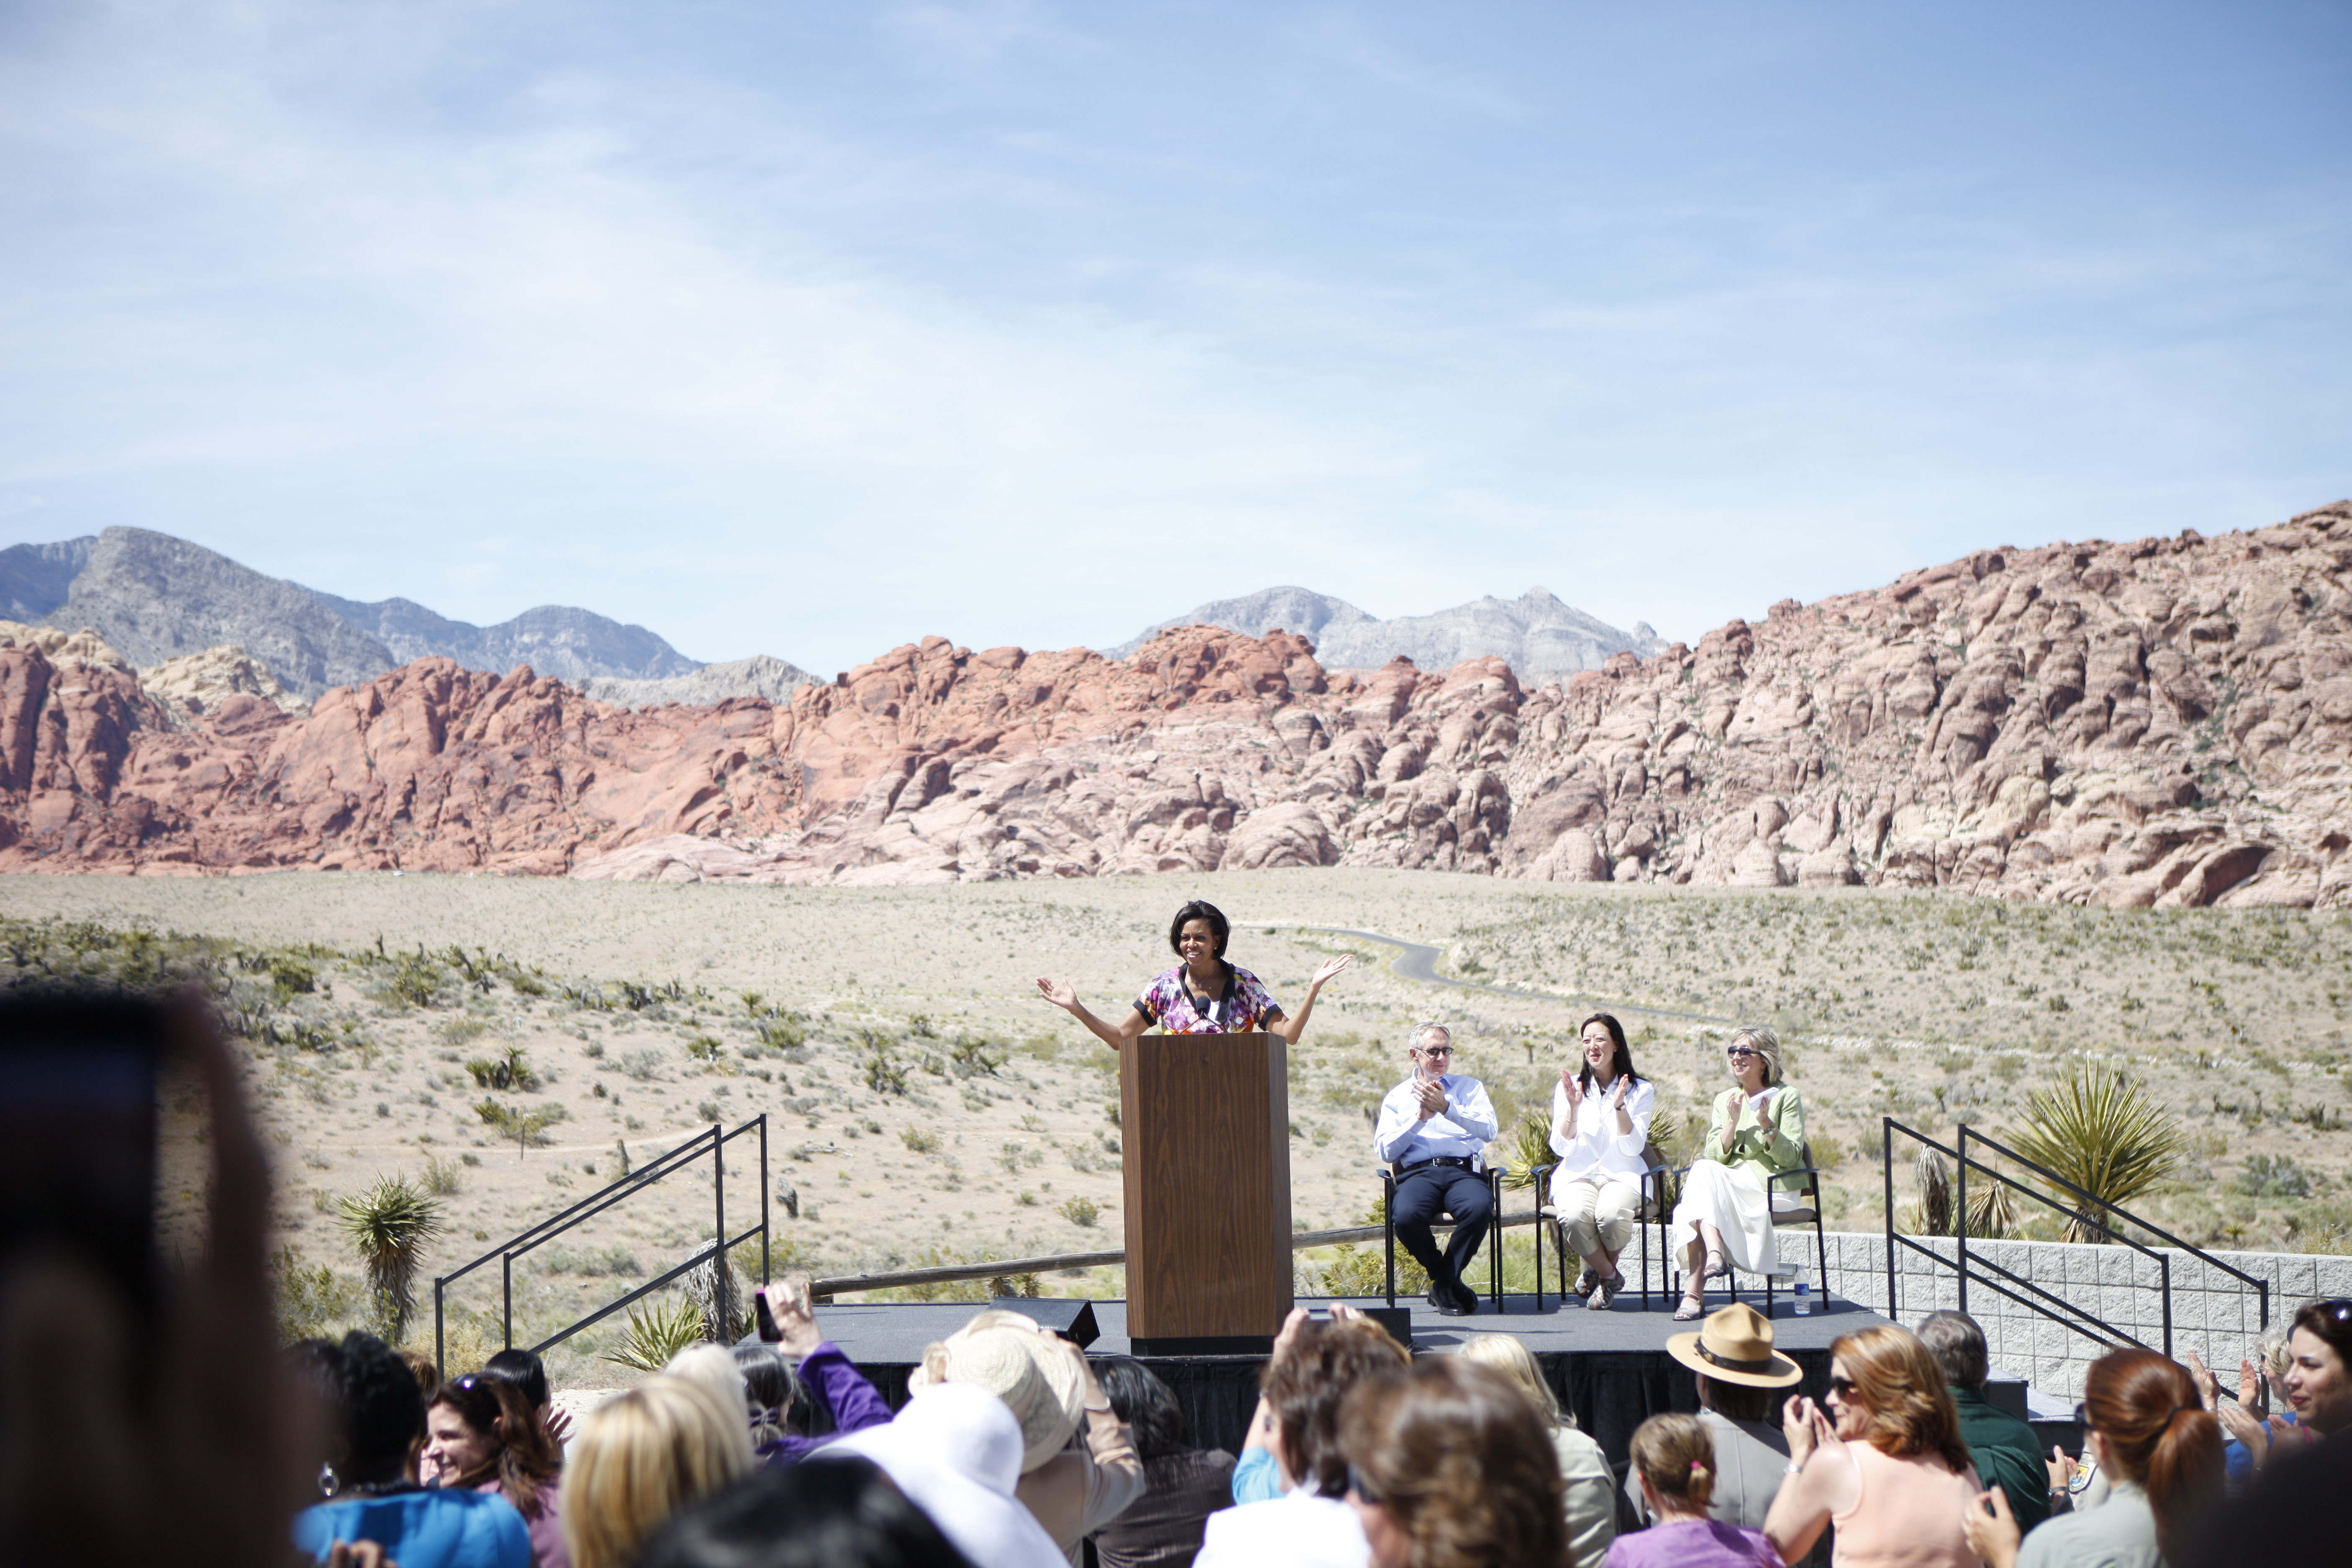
[1037,1380]
[1734,1346]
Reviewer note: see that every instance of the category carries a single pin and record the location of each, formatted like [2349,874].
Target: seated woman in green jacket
[1725,1218]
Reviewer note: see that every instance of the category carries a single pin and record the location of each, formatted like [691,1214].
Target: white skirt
[1733,1201]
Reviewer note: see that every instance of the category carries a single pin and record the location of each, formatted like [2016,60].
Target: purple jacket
[838,1389]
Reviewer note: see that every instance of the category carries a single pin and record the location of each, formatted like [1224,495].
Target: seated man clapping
[1434,1127]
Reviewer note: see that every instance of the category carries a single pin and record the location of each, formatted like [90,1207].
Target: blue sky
[810,330]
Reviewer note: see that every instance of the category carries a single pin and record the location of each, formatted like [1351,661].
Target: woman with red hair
[1885,1461]
[2161,1449]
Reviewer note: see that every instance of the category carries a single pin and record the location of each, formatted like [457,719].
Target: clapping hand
[1571,1084]
[1433,1096]
[1991,1529]
[1808,1427]
[1617,1094]
[1059,994]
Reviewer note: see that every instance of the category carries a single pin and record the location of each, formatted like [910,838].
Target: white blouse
[1599,1152]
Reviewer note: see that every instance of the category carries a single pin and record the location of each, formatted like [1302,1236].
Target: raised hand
[1572,1085]
[1059,994]
[1617,1093]
[2246,1426]
[1993,1535]
[1298,1320]
[2209,1387]
[1797,1425]
[2061,1469]
[2250,1383]
[1328,968]
[795,1315]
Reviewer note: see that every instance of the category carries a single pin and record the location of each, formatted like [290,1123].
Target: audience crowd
[194,1439]
[1015,1450]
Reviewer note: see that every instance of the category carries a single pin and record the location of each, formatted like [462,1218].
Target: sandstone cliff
[2165,721]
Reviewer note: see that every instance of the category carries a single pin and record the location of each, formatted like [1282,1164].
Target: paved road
[1418,961]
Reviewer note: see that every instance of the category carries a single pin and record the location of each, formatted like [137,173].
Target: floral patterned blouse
[1244,1008]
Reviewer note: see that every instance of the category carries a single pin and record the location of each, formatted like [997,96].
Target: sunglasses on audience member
[1738,1051]
[1437,1050]
[1842,1387]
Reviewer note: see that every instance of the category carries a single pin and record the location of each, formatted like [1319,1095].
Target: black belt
[1459,1162]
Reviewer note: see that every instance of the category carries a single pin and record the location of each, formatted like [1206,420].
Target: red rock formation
[2163,721]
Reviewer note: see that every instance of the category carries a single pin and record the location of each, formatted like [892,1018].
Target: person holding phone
[787,1320]
[1434,1128]
[1201,996]
[1724,1219]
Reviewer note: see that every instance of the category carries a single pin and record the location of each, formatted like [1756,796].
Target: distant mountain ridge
[155,598]
[1537,636]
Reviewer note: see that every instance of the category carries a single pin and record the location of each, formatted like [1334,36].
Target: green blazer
[1765,1146]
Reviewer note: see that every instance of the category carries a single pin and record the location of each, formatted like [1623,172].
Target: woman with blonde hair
[1674,1459]
[1756,1131]
[1587,1496]
[1885,1462]
[642,1455]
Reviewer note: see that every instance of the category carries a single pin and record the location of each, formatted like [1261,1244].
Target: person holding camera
[1434,1128]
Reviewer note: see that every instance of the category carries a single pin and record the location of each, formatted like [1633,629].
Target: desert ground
[925,1106]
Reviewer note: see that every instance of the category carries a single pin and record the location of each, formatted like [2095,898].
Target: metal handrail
[2085,1215]
[712,1142]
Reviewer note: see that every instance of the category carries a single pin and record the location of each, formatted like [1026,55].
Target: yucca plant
[700,1285]
[1932,1216]
[1992,1210]
[2100,1132]
[1530,1147]
[657,1333]
[389,1225]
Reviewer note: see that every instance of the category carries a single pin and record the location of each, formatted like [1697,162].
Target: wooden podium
[1205,1124]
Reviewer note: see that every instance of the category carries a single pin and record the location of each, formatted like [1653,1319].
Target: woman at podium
[1203,995]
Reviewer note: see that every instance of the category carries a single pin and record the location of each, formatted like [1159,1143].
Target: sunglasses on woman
[1736,1052]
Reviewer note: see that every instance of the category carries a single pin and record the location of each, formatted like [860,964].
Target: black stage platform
[1610,1368]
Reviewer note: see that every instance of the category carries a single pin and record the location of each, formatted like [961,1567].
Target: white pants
[1733,1201]
[1596,1213]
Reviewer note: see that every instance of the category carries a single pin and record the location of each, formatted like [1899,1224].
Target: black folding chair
[1494,1175]
[1651,1205]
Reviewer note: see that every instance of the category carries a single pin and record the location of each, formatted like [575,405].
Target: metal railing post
[719,1208]
[2163,1274]
[440,1343]
[1960,1218]
[505,1313]
[1886,1162]
[764,1278]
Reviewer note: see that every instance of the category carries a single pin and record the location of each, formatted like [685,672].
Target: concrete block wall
[2212,1313]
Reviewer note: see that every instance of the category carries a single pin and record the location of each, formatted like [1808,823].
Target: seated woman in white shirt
[1724,1219]
[1600,1125]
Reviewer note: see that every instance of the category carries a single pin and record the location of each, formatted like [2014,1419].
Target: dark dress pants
[1421,1196]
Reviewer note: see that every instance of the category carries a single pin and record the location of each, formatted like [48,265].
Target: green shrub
[389,1225]
[2100,1132]
[657,1333]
